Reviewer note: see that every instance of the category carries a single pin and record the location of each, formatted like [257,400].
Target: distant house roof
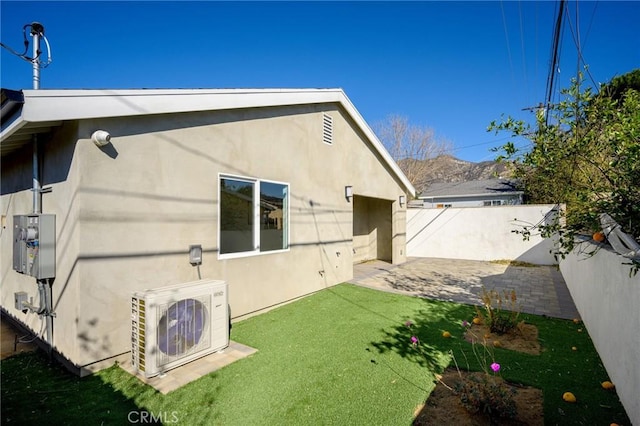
[474,188]
[29,112]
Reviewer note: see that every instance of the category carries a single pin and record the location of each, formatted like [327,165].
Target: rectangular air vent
[327,129]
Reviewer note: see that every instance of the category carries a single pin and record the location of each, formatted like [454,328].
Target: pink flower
[465,323]
[414,340]
[495,367]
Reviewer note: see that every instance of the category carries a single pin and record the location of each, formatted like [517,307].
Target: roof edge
[79,104]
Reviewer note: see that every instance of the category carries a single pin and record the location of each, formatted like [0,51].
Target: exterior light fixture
[348,192]
[402,200]
[101,138]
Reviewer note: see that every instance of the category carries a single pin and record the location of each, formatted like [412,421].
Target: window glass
[273,216]
[254,216]
[236,215]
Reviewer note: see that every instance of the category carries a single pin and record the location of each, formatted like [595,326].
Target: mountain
[446,168]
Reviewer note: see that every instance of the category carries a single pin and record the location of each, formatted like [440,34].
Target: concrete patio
[541,290]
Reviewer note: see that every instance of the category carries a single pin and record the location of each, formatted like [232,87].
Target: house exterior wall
[59,172]
[127,213]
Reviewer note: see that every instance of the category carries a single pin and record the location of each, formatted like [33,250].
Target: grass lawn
[340,356]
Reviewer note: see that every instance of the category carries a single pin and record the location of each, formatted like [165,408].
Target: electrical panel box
[34,245]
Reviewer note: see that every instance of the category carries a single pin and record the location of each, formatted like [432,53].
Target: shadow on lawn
[429,348]
[37,390]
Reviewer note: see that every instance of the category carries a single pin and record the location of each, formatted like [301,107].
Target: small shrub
[484,393]
[499,319]
[487,395]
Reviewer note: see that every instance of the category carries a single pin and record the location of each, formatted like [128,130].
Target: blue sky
[452,66]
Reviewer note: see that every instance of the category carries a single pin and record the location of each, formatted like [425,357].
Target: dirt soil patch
[523,338]
[444,407]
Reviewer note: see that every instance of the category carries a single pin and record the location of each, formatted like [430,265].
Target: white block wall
[608,300]
[482,233]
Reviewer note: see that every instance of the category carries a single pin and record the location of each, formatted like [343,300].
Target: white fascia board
[16,125]
[86,104]
[353,112]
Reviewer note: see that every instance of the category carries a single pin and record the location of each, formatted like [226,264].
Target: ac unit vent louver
[173,325]
[327,128]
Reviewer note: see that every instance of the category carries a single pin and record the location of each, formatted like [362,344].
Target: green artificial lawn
[340,356]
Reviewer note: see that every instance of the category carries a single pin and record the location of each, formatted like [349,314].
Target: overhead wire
[555,56]
[576,39]
[23,55]
[506,35]
[524,56]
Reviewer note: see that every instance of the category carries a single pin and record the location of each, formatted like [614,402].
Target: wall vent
[327,129]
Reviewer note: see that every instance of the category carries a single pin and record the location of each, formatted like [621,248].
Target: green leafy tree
[586,155]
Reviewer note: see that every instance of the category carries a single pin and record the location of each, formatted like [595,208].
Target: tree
[410,145]
[585,155]
[619,85]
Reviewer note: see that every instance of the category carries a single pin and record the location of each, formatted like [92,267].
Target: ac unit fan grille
[183,328]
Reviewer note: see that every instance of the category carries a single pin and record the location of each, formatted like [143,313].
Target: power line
[555,50]
[576,40]
[480,144]
[35,28]
[506,36]
[524,56]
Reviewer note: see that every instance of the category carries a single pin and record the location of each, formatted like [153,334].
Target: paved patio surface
[541,290]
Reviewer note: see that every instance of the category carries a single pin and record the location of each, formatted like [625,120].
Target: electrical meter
[34,245]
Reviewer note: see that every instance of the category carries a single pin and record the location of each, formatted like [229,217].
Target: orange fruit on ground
[576,321]
[477,321]
[599,236]
[608,385]
[569,397]
[446,334]
[497,343]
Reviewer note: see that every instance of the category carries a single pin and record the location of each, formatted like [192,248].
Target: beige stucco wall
[128,212]
[59,172]
[372,229]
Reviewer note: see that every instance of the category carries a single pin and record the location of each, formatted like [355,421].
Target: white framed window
[253,216]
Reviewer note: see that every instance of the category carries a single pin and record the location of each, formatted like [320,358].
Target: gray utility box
[34,245]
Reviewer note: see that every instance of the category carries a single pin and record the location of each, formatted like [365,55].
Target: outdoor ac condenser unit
[173,325]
